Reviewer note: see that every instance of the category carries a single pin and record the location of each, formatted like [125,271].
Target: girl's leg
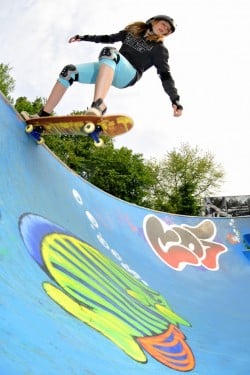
[111,72]
[104,79]
[103,74]
[84,73]
[125,73]
[54,98]
[103,82]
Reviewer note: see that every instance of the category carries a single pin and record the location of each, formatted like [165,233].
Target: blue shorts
[124,72]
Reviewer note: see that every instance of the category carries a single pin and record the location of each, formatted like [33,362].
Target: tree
[184,176]
[116,171]
[175,184]
[23,104]
[72,150]
[119,172]
[7,83]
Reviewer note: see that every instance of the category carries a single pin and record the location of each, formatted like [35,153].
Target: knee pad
[109,53]
[69,73]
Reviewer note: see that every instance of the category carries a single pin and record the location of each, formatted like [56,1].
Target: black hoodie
[142,54]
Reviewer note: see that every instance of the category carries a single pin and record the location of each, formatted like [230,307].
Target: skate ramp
[92,285]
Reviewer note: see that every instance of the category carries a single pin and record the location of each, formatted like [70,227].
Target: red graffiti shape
[180,245]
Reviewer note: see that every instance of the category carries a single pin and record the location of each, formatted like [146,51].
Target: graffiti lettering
[182,245]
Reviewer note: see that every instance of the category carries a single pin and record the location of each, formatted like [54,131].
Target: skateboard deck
[90,125]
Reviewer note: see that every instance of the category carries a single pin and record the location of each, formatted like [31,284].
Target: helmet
[164,18]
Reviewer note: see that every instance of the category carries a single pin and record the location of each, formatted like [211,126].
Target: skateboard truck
[93,131]
[35,132]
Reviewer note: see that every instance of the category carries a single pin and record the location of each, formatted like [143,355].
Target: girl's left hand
[177,111]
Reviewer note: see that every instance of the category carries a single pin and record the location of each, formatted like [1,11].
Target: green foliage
[119,172]
[183,200]
[183,177]
[175,184]
[72,150]
[23,104]
[116,171]
[7,83]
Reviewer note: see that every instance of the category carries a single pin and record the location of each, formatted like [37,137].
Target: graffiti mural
[182,245]
[103,295]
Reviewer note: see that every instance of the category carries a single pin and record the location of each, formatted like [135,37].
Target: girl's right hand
[75,38]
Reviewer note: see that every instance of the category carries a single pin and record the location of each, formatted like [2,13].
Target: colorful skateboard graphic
[88,125]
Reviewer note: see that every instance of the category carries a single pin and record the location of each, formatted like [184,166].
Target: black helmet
[164,18]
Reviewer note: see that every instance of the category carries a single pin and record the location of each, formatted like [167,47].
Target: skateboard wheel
[100,143]
[40,141]
[29,128]
[89,127]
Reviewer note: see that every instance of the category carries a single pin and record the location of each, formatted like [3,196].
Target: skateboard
[89,125]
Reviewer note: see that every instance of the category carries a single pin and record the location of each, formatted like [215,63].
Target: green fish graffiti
[103,295]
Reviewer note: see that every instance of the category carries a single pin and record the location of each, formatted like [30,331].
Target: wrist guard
[178,104]
[81,37]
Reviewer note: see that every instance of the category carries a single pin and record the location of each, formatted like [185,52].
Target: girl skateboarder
[142,47]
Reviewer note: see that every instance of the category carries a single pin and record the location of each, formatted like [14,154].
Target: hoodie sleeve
[109,39]
[161,57]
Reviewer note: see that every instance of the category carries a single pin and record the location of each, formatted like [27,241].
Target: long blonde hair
[141,28]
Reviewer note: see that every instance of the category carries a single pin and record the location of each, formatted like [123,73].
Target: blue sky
[209,60]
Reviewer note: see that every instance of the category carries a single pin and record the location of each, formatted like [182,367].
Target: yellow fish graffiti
[100,293]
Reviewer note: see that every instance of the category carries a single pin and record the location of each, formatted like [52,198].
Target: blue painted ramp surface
[92,285]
